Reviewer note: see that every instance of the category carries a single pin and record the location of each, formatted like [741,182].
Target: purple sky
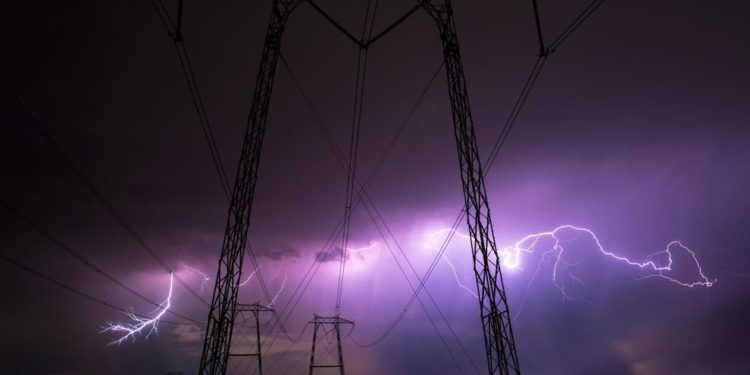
[637,129]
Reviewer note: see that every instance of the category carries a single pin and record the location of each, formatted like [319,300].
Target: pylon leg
[215,354]
[336,322]
[493,305]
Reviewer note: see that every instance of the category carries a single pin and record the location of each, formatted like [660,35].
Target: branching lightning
[140,324]
[433,242]
[204,277]
[556,243]
[511,255]
[458,278]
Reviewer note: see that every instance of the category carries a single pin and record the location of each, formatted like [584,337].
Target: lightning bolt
[251,276]
[140,324]
[457,277]
[275,297]
[433,242]
[511,255]
[204,277]
[360,251]
[371,246]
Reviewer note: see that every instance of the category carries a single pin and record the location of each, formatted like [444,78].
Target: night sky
[637,129]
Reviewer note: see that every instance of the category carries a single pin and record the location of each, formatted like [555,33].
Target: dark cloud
[332,255]
[280,252]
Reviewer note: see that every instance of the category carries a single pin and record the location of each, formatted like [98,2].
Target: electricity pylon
[255,309]
[502,358]
[493,304]
[336,321]
[224,301]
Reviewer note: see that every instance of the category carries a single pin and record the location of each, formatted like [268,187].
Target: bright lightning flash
[364,249]
[275,297]
[140,324]
[251,276]
[433,241]
[204,277]
[511,255]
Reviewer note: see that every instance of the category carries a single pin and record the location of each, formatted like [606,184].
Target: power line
[577,22]
[500,141]
[414,297]
[67,249]
[538,22]
[174,31]
[502,137]
[80,293]
[224,300]
[363,196]
[414,271]
[359,92]
[315,264]
[378,218]
[329,139]
[31,119]
[288,348]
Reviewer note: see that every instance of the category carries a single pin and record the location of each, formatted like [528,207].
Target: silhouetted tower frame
[255,309]
[494,311]
[215,352]
[336,321]
[493,304]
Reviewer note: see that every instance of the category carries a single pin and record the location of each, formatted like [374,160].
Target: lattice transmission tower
[215,353]
[255,309]
[319,322]
[494,311]
[493,303]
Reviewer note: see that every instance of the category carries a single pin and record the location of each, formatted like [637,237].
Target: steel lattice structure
[493,303]
[255,309]
[335,321]
[495,314]
[224,301]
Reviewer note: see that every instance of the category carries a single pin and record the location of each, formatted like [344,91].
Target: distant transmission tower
[502,358]
[336,322]
[255,309]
